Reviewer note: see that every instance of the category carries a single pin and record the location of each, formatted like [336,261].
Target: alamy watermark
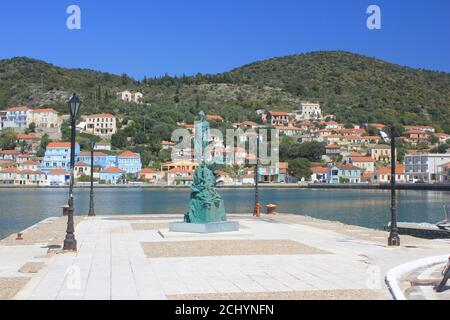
[374,20]
[73,22]
[239,147]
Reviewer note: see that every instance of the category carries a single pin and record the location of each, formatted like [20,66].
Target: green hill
[354,87]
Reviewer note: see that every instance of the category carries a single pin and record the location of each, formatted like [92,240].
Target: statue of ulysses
[206,205]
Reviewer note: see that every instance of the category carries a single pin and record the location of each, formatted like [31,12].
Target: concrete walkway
[127,258]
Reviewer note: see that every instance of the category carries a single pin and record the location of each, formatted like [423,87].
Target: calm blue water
[20,209]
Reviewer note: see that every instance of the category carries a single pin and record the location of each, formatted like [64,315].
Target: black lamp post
[91,199]
[394,238]
[257,209]
[70,243]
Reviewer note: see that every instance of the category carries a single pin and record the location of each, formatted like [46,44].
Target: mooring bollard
[65,210]
[19,236]
[271,209]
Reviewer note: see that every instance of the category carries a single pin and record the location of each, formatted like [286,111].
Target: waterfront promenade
[276,257]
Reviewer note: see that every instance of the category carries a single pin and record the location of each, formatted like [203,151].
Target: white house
[425,166]
[308,111]
[128,96]
[58,177]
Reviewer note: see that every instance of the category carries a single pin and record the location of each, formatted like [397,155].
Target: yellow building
[103,125]
[381,153]
[44,118]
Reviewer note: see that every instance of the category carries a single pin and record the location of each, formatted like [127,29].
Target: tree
[442,148]
[313,151]
[119,140]
[32,127]
[45,140]
[349,126]
[8,140]
[433,139]
[300,168]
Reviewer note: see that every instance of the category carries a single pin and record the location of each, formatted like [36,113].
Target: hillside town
[351,153]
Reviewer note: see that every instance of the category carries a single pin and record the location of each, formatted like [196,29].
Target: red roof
[44,110]
[279,113]
[58,172]
[18,109]
[25,136]
[415,132]
[354,154]
[333,146]
[59,145]
[319,170]
[81,164]
[387,170]
[101,115]
[113,170]
[31,172]
[147,170]
[9,170]
[10,152]
[214,117]
[289,128]
[179,170]
[362,159]
[128,154]
[30,163]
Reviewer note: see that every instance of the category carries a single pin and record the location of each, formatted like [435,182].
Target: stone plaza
[274,257]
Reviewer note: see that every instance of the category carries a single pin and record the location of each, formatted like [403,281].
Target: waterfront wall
[361,186]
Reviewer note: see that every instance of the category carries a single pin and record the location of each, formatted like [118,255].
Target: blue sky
[146,37]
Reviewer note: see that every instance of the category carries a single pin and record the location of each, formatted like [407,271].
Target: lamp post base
[70,244]
[394,241]
[257,210]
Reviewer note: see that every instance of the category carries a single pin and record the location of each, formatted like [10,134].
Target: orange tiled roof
[147,170]
[81,164]
[18,109]
[101,115]
[10,152]
[9,170]
[128,154]
[44,110]
[387,170]
[31,172]
[362,159]
[179,170]
[24,136]
[355,154]
[283,128]
[59,145]
[319,170]
[278,113]
[113,170]
[214,117]
[30,163]
[58,172]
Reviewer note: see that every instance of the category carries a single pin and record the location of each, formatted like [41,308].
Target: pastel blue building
[100,159]
[57,156]
[130,162]
[346,173]
[112,175]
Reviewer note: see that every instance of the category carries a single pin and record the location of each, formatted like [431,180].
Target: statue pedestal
[213,227]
